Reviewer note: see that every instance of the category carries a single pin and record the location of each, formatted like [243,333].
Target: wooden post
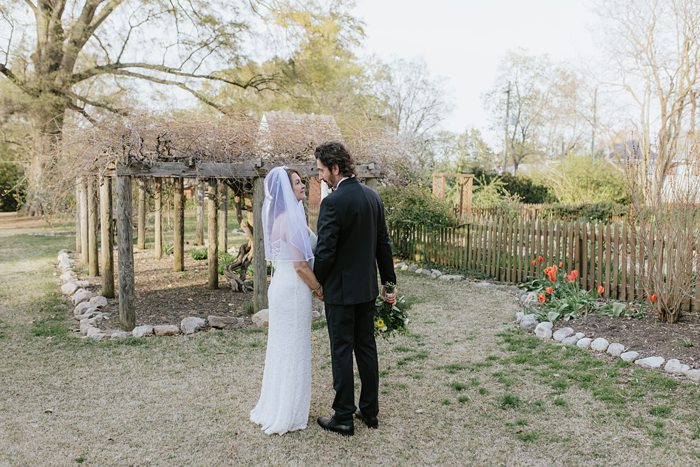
[84,248]
[199,203]
[179,230]
[107,237]
[93,261]
[158,218]
[78,181]
[468,189]
[141,217]
[259,263]
[127,312]
[212,231]
[223,216]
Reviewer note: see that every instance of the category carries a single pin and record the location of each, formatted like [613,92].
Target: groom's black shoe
[371,422]
[331,424]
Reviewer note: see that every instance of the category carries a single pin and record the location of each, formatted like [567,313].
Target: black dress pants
[351,330]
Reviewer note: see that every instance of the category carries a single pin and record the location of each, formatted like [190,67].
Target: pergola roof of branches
[192,146]
[178,147]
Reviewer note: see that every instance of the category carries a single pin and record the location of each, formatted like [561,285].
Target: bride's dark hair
[289,174]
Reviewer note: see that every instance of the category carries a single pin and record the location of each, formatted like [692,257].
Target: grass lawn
[464,387]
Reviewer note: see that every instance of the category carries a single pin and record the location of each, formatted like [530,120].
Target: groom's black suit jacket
[352,242]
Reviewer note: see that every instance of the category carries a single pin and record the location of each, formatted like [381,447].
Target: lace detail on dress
[285,396]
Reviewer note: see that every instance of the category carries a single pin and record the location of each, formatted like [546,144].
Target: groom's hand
[319,293]
[390,298]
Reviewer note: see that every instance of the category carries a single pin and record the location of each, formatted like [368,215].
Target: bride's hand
[318,293]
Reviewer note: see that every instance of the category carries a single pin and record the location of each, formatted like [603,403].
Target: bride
[285,396]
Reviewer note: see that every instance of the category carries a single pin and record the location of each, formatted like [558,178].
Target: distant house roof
[289,136]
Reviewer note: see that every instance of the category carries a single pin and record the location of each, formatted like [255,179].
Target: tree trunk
[47,121]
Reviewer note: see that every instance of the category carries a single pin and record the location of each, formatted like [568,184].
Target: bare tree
[84,49]
[547,112]
[657,49]
[414,102]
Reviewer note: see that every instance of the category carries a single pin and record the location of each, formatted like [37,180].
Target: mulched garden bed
[647,335]
[166,297]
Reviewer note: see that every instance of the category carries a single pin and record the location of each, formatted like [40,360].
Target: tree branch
[104,13]
[115,68]
[31,5]
[153,79]
[18,82]
[73,106]
[100,105]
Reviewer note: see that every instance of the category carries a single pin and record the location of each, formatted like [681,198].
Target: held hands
[389,297]
[318,292]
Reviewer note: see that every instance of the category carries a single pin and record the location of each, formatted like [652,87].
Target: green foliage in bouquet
[388,318]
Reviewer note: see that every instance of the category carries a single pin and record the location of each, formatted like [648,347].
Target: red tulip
[601,289]
[653,298]
[549,290]
[541,298]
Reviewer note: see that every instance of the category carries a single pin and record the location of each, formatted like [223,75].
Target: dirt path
[463,388]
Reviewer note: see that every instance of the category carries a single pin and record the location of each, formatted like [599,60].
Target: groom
[352,242]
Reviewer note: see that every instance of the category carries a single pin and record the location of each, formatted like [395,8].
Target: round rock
[650,362]
[616,349]
[561,334]
[629,356]
[584,343]
[600,344]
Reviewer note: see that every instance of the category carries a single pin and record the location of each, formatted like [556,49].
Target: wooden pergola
[122,175]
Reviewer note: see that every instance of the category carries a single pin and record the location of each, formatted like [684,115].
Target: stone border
[567,336]
[87,312]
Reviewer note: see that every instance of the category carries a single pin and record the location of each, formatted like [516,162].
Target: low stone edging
[88,306]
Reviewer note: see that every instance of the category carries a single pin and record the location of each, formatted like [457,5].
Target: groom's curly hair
[334,153]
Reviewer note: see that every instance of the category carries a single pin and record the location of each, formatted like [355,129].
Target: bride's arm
[307,275]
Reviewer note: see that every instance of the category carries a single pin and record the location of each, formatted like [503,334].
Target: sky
[464,41]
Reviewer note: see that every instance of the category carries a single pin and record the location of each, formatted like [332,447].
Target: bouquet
[389,318]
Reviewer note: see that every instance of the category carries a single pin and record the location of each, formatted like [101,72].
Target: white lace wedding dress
[285,396]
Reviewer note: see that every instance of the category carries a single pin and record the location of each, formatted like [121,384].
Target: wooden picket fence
[504,248]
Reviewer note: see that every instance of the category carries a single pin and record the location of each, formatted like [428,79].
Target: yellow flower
[379,323]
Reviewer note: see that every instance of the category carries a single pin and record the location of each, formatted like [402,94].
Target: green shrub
[583,179]
[225,259]
[604,211]
[11,188]
[416,204]
[198,254]
[524,188]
